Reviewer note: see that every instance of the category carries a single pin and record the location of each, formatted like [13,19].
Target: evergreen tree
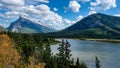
[77,63]
[61,56]
[97,62]
[67,54]
[61,52]
[53,62]
[47,55]
[80,65]
[64,54]
[83,65]
[72,61]
[48,51]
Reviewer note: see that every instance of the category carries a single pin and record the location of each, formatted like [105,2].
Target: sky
[56,13]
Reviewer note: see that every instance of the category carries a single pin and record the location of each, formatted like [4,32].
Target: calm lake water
[108,53]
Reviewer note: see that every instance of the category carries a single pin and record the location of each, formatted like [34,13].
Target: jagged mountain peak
[26,24]
[33,20]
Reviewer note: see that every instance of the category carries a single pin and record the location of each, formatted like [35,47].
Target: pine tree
[64,54]
[77,63]
[53,62]
[80,65]
[83,65]
[61,52]
[61,56]
[47,55]
[72,61]
[67,54]
[97,62]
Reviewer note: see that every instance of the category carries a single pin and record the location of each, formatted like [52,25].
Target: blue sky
[57,13]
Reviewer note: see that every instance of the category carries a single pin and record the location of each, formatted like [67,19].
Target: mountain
[2,28]
[96,25]
[93,26]
[98,20]
[28,25]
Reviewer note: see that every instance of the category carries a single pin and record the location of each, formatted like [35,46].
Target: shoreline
[103,40]
[92,39]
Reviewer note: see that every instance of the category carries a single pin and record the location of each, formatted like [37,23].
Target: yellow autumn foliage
[9,57]
[8,54]
[33,65]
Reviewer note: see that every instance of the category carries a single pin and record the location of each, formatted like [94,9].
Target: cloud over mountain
[104,4]
[101,5]
[40,11]
[74,6]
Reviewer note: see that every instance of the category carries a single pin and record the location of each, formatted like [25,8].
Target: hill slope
[98,20]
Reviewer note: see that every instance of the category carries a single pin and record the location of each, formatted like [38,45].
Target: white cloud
[34,2]
[44,1]
[41,12]
[13,2]
[83,0]
[92,12]
[103,4]
[55,9]
[118,15]
[12,14]
[47,16]
[68,22]
[74,6]
[79,18]
[42,7]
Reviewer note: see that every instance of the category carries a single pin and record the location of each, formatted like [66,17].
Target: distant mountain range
[28,25]
[95,25]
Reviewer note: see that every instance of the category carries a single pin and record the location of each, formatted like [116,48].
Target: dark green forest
[83,34]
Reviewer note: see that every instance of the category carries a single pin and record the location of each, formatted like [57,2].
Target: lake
[108,53]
